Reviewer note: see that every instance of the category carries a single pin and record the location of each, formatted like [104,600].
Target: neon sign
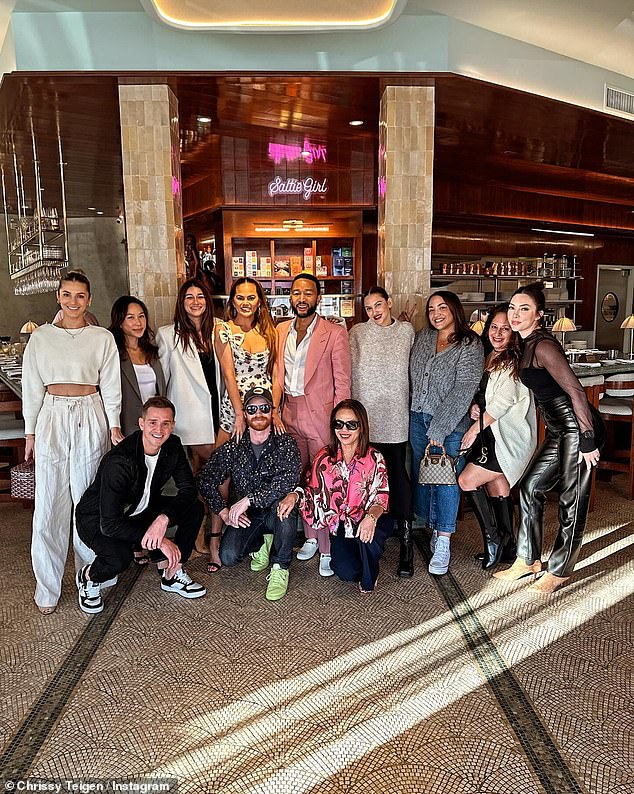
[310,152]
[306,188]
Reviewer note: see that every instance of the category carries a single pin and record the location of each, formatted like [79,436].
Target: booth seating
[617,409]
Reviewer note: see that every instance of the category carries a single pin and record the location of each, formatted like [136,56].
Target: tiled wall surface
[406,164]
[152,190]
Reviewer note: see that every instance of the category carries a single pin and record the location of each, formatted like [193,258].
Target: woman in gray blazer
[141,372]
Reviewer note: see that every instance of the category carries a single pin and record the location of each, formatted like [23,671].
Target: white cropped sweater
[89,357]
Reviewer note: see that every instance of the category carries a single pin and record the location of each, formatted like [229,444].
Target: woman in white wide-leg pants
[71,393]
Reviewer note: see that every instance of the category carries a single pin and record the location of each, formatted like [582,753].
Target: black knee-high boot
[406,558]
[503,511]
[494,541]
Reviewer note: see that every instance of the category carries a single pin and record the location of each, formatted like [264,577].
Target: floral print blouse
[337,492]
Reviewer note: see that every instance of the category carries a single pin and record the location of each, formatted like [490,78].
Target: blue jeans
[435,504]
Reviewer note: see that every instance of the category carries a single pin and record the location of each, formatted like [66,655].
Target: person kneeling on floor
[263,466]
[124,507]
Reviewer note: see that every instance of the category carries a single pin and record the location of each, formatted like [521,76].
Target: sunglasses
[253,409]
[354,424]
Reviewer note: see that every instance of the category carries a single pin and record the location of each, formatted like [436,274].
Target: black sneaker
[183,584]
[90,600]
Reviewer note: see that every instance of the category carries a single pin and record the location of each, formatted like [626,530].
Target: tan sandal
[46,610]
[518,571]
[548,583]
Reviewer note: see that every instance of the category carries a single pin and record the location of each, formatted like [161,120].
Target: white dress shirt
[295,359]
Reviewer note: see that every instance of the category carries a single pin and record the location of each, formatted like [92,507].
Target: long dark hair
[118,314]
[364,429]
[184,328]
[508,358]
[262,321]
[455,307]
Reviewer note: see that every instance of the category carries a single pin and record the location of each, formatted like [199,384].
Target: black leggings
[398,480]
[555,465]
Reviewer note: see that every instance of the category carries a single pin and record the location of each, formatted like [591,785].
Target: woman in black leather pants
[574,435]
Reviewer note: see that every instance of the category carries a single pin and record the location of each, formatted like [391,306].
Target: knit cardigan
[443,384]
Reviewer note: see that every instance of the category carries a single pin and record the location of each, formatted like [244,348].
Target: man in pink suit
[313,366]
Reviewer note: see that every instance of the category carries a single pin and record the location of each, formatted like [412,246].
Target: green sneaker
[260,558]
[277,583]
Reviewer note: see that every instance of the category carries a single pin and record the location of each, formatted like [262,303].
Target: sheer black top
[544,369]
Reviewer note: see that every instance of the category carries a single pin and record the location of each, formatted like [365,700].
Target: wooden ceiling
[500,153]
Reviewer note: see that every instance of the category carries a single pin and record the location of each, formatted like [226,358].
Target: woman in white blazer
[189,355]
[501,440]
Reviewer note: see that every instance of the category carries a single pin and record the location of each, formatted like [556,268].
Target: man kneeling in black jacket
[124,507]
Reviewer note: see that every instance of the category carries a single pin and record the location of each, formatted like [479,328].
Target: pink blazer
[327,377]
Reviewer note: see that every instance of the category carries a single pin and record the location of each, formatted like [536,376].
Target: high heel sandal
[214,567]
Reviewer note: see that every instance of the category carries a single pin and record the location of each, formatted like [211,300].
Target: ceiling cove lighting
[563,231]
[274,16]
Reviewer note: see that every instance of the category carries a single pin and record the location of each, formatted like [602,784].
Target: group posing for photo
[235,434]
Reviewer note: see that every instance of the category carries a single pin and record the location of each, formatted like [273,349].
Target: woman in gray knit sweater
[446,365]
[379,354]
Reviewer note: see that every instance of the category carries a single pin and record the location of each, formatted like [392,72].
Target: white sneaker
[183,584]
[89,592]
[308,550]
[324,565]
[432,541]
[439,563]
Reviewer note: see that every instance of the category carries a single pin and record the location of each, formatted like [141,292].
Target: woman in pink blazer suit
[313,376]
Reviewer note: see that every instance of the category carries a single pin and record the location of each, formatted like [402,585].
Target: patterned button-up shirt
[264,481]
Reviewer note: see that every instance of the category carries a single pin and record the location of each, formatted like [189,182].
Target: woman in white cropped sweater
[71,394]
[501,440]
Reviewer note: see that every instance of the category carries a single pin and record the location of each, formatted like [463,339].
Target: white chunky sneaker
[90,600]
[439,563]
[308,550]
[324,565]
[183,584]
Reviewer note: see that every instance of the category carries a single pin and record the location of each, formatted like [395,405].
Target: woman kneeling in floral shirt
[346,493]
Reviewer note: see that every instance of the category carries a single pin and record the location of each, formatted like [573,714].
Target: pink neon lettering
[302,187]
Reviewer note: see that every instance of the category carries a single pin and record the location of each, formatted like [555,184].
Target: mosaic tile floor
[449,685]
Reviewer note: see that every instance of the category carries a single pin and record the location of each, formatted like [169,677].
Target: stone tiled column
[406,164]
[152,190]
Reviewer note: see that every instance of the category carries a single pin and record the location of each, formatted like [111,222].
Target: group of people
[236,433]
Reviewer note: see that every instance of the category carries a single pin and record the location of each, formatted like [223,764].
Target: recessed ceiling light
[204,119]
[355,123]
[92,208]
[99,212]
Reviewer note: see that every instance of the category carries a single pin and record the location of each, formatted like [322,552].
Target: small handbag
[437,468]
[23,481]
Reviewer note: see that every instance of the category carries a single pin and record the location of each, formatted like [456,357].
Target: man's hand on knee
[173,554]
[155,533]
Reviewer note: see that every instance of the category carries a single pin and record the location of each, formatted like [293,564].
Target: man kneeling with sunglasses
[264,467]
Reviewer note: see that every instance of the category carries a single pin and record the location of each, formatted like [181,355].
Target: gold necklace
[72,336]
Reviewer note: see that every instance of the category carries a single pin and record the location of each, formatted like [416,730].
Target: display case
[274,248]
[482,282]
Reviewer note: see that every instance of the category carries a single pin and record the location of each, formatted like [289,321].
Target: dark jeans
[114,555]
[354,561]
[237,542]
[398,479]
